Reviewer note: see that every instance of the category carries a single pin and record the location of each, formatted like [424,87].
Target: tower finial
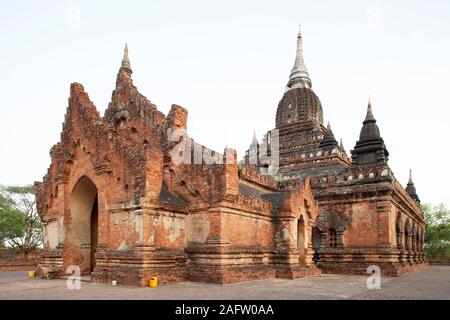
[411,188]
[126,60]
[328,140]
[299,77]
[369,115]
[255,139]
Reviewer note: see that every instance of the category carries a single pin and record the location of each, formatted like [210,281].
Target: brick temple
[130,195]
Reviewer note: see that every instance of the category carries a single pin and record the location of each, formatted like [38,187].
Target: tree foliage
[437,232]
[20,224]
[12,221]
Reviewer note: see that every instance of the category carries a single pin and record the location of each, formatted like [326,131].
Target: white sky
[228,64]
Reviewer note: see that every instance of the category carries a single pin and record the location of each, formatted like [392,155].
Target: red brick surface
[192,221]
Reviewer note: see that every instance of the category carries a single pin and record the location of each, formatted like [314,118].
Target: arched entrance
[83,231]
[301,239]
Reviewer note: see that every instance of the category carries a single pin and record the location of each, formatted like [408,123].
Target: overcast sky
[228,63]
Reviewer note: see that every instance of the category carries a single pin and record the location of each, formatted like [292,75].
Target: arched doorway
[301,239]
[94,232]
[82,234]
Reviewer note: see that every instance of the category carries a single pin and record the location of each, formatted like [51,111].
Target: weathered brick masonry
[365,216]
[130,195]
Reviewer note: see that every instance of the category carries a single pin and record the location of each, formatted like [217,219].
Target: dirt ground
[432,282]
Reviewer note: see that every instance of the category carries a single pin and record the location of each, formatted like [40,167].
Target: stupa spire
[255,140]
[299,77]
[370,148]
[411,188]
[328,139]
[369,115]
[410,181]
[341,145]
[126,60]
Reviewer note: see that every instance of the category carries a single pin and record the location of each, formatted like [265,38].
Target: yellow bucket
[153,282]
[31,274]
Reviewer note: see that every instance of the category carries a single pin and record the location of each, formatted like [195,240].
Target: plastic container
[153,282]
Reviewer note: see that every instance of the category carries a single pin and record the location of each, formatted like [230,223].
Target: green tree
[12,221]
[20,224]
[437,232]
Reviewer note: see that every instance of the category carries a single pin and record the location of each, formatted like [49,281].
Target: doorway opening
[301,240]
[83,231]
[94,232]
